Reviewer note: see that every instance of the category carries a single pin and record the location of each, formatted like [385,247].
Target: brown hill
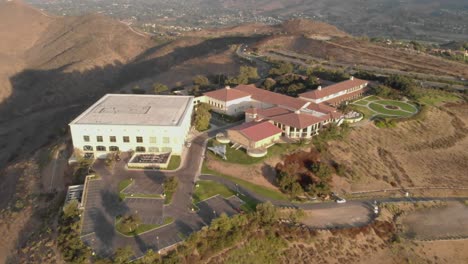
[311,28]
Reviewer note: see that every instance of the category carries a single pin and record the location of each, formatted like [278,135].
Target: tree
[202,117]
[201,81]
[71,209]
[269,83]
[160,88]
[137,90]
[246,75]
[266,213]
[129,224]
[123,255]
[281,68]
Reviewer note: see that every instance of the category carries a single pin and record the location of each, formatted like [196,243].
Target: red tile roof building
[336,93]
[296,117]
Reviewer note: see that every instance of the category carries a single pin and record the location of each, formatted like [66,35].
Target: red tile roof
[272,97]
[273,111]
[257,131]
[345,97]
[322,108]
[333,89]
[227,94]
[298,120]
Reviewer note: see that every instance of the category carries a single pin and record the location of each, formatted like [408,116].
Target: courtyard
[373,106]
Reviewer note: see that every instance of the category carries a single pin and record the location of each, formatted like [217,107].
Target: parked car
[340,200]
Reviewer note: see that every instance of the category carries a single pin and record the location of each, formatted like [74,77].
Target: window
[153,149]
[139,139]
[126,139]
[113,148]
[86,138]
[166,140]
[152,140]
[112,139]
[140,149]
[88,148]
[166,149]
[99,138]
[101,148]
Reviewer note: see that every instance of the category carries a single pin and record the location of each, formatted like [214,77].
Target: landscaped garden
[239,156]
[207,189]
[373,106]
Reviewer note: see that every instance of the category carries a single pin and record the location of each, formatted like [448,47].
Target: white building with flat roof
[140,123]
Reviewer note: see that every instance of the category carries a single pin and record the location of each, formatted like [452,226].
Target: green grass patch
[174,163]
[142,228]
[240,156]
[361,102]
[265,192]
[438,98]
[124,184]
[364,110]
[405,106]
[207,189]
[380,109]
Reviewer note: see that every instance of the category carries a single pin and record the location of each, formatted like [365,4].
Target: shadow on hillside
[43,102]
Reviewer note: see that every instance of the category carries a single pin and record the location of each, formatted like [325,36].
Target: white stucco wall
[175,134]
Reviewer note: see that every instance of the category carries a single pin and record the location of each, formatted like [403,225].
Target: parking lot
[149,210]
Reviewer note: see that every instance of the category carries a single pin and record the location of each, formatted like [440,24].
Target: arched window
[101,148]
[113,148]
[88,148]
[140,149]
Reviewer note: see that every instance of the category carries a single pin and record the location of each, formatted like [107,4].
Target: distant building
[337,93]
[140,123]
[296,117]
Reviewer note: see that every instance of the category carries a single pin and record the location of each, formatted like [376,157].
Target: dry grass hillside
[429,152]
[352,51]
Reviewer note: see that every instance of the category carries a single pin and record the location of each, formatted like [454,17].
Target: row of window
[137,149]
[126,139]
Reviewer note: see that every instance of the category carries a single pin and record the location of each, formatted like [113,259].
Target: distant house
[337,93]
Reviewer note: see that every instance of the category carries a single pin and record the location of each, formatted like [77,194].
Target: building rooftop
[125,109]
[333,89]
[257,131]
[227,94]
[296,119]
[273,98]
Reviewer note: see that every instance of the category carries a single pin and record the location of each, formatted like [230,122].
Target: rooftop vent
[319,88]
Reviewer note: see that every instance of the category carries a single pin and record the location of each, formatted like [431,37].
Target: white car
[340,200]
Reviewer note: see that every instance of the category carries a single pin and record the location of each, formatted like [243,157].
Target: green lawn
[207,189]
[364,110]
[405,106]
[174,163]
[380,109]
[361,102]
[124,184]
[240,156]
[142,228]
[435,99]
[265,192]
